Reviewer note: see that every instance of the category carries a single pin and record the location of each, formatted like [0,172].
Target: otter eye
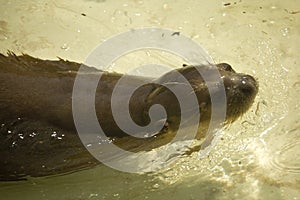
[225,67]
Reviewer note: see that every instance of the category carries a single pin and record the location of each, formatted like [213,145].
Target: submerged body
[38,136]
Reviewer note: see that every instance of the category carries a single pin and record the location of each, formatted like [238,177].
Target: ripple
[284,159]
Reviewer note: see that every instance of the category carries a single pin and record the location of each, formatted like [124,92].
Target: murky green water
[258,157]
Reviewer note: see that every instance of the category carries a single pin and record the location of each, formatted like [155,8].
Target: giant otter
[37,132]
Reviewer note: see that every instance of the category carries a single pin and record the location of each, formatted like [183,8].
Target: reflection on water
[256,157]
[283,161]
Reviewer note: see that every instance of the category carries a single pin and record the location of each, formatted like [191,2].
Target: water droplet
[155,186]
[93,195]
[65,47]
[14,144]
[285,31]
[165,6]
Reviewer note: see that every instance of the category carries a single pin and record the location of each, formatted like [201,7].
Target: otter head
[240,90]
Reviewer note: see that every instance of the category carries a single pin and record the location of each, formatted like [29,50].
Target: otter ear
[225,67]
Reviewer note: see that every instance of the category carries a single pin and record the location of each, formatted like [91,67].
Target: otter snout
[241,90]
[249,85]
[242,84]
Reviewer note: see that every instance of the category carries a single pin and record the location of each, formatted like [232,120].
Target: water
[257,156]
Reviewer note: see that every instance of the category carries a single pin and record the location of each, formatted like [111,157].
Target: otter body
[37,133]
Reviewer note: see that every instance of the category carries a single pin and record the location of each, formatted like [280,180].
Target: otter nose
[248,85]
[248,78]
